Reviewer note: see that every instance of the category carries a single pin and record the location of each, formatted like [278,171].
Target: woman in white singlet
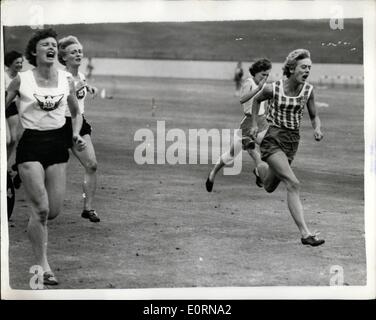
[70,55]
[44,93]
[288,98]
[259,71]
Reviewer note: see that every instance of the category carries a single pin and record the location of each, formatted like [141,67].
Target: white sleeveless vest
[81,92]
[42,108]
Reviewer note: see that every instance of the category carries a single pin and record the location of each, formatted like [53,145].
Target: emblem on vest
[48,103]
[80,93]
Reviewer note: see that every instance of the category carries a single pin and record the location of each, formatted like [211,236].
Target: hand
[318,135]
[93,91]
[79,142]
[253,131]
[262,82]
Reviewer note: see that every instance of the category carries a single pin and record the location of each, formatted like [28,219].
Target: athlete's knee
[293,185]
[42,212]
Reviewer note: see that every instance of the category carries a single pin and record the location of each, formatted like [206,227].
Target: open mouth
[50,54]
[305,77]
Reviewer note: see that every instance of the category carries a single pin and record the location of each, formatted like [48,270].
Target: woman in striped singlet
[43,95]
[70,55]
[259,71]
[288,97]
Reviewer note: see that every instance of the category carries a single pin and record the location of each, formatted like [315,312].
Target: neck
[292,84]
[72,69]
[45,70]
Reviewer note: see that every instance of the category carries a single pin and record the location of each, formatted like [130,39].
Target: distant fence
[344,75]
[321,74]
[198,56]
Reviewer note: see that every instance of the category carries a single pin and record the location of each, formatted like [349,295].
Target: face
[302,70]
[74,54]
[46,50]
[261,75]
[16,65]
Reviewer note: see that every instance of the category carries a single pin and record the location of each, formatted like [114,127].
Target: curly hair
[10,56]
[63,44]
[292,60]
[32,44]
[260,65]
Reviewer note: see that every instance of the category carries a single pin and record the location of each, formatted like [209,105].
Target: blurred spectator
[238,78]
[89,68]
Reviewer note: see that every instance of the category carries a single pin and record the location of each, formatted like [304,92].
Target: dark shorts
[11,110]
[85,129]
[47,147]
[280,139]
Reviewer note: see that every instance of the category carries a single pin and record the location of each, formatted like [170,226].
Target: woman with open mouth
[288,97]
[43,95]
[70,55]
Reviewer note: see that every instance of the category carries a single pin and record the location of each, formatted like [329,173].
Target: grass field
[218,40]
[161,229]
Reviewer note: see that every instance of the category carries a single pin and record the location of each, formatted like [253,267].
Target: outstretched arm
[92,90]
[315,120]
[247,95]
[265,94]
[76,116]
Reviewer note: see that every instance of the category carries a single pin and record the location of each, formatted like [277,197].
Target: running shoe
[91,215]
[209,184]
[313,241]
[49,279]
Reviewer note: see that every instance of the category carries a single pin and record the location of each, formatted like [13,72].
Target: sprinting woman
[42,152]
[288,98]
[70,55]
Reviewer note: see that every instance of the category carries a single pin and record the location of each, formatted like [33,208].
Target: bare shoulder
[14,84]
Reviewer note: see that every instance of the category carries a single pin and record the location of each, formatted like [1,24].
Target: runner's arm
[265,94]
[247,95]
[12,91]
[76,116]
[315,120]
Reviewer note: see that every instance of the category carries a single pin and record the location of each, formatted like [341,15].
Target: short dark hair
[263,64]
[11,56]
[32,44]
